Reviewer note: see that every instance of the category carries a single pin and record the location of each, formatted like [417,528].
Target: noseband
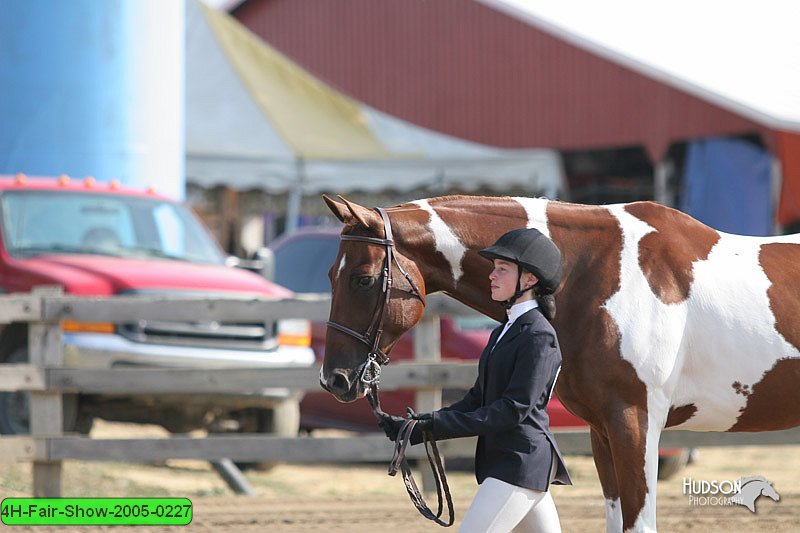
[370,372]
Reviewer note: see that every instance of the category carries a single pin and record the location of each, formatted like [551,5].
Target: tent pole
[661,192]
[295,196]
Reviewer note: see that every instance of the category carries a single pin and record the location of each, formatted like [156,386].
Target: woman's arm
[536,360]
[470,401]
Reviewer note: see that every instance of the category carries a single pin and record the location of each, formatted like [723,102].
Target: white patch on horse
[731,332]
[536,209]
[341,266]
[651,340]
[445,240]
[657,410]
[613,515]
[693,351]
[650,330]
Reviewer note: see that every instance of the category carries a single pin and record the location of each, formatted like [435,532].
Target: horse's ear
[349,213]
[339,210]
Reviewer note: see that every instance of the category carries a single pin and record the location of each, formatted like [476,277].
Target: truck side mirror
[262,263]
[266,257]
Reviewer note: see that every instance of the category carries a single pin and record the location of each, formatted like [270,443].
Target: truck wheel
[15,414]
[282,420]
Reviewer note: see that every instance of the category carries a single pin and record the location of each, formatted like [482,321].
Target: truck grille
[217,335]
[247,336]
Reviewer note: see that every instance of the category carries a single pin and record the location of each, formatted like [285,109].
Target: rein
[370,374]
[399,461]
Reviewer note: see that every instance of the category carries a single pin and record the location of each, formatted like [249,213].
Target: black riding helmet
[532,250]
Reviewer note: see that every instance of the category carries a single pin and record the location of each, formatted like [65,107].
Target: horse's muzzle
[341,386]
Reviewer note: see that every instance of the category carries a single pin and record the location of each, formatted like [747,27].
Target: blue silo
[94,87]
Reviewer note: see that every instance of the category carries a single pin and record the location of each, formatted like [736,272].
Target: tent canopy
[255,119]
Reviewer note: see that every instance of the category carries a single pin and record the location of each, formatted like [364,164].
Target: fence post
[46,407]
[427,348]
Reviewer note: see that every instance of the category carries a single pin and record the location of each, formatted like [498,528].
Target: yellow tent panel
[313,119]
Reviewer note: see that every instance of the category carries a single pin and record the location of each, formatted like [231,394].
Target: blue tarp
[727,185]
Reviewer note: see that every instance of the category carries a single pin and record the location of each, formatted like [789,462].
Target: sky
[746,52]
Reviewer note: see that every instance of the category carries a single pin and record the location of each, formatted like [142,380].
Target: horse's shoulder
[668,252]
[673,225]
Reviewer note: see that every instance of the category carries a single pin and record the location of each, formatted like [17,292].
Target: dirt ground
[361,498]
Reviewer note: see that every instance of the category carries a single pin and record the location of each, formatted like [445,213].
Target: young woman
[517,457]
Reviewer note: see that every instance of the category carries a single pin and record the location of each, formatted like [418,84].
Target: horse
[663,321]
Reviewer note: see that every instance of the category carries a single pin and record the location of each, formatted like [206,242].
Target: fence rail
[220,380]
[46,379]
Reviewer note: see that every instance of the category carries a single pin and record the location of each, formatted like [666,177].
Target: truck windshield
[45,222]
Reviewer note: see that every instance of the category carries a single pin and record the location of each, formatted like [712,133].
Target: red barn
[484,71]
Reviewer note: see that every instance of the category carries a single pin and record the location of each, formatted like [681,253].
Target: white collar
[519,309]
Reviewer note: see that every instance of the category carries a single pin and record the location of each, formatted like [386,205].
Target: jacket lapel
[485,355]
[493,337]
[516,327]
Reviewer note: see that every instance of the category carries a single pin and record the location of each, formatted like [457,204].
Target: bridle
[369,373]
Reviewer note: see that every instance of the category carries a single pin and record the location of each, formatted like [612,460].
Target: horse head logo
[751,488]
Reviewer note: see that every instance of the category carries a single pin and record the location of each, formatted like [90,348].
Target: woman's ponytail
[547,304]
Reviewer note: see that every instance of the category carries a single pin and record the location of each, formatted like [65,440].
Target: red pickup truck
[102,240]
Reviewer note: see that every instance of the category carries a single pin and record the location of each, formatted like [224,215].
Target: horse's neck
[443,244]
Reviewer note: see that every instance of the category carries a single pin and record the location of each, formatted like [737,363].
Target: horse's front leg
[633,442]
[604,463]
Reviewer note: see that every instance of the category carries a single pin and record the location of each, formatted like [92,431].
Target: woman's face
[503,280]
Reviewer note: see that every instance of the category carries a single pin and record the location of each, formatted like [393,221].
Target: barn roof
[570,75]
[744,57]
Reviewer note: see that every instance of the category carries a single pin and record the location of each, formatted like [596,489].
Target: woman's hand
[391,425]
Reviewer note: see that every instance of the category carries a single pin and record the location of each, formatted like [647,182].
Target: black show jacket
[506,407]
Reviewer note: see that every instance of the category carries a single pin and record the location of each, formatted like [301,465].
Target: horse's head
[378,294]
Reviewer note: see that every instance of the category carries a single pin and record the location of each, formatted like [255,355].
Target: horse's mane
[447,198]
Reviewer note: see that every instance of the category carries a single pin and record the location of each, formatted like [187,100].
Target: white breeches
[501,507]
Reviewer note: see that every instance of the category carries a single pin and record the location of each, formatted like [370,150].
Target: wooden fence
[46,380]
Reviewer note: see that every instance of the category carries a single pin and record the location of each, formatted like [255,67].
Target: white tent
[255,119]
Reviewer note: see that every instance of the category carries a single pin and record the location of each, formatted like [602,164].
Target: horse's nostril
[338,383]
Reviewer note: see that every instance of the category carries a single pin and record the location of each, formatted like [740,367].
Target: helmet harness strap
[519,292]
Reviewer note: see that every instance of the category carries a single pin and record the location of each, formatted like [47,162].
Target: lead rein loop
[400,462]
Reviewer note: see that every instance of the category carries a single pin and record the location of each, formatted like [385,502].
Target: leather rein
[370,373]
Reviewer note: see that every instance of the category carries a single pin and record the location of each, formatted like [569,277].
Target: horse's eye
[364,282]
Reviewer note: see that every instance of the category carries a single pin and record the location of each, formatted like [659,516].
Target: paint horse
[663,321]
